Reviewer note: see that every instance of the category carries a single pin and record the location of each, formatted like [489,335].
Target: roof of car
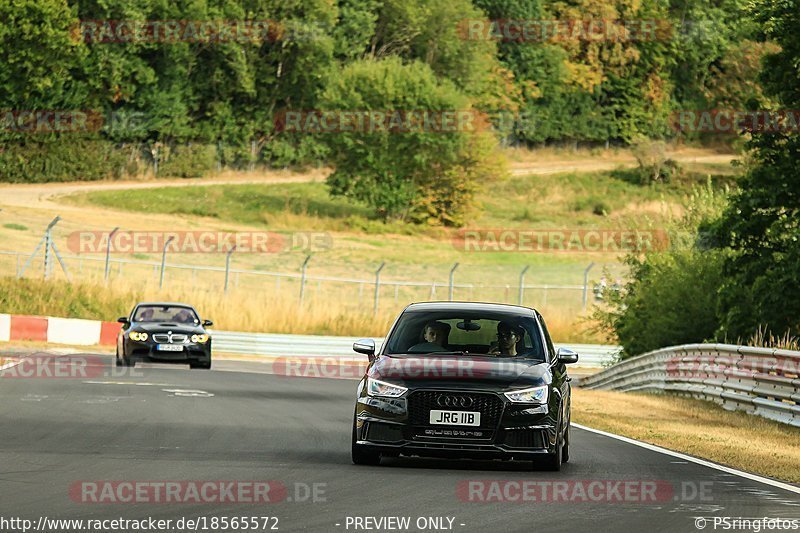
[470,306]
[165,304]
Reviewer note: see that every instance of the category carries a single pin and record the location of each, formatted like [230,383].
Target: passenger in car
[435,336]
[508,337]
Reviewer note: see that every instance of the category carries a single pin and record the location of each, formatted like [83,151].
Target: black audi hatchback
[162,332]
[470,380]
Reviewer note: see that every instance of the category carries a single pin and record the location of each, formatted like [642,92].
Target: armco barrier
[93,332]
[760,381]
[591,355]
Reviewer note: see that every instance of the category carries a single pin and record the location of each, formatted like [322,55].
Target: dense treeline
[183,106]
[740,281]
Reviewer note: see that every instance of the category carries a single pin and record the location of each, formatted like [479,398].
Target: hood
[460,371]
[163,327]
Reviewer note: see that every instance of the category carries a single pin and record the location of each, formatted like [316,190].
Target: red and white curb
[74,331]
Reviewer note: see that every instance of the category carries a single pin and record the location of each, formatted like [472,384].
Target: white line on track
[137,383]
[689,458]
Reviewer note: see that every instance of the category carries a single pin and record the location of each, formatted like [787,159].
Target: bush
[190,161]
[654,165]
[671,299]
[65,159]
[419,175]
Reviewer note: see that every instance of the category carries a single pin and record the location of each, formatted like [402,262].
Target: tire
[362,455]
[124,361]
[565,447]
[200,366]
[552,461]
[118,361]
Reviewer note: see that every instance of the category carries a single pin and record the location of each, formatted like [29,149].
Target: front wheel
[565,447]
[552,461]
[362,455]
[200,365]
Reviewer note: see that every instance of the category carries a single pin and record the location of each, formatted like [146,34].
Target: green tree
[762,225]
[399,173]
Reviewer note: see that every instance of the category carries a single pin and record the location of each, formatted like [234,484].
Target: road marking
[703,462]
[34,398]
[189,393]
[137,383]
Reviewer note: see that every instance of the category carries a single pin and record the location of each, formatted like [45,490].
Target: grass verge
[695,427]
[592,199]
[239,310]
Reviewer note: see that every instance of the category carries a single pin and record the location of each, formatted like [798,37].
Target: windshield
[473,333]
[165,313]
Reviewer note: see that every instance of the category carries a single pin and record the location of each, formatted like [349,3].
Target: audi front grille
[421,402]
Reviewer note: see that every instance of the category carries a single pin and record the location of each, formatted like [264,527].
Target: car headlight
[386,390]
[140,336]
[202,338]
[533,395]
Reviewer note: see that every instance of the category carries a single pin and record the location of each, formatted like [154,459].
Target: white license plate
[456,418]
[170,348]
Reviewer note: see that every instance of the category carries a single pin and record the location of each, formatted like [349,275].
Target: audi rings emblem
[447,400]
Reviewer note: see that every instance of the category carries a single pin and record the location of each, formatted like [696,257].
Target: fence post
[452,275]
[228,266]
[163,261]
[47,242]
[108,253]
[377,287]
[303,279]
[586,285]
[522,284]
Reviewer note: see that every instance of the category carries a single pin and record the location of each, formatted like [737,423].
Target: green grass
[360,242]
[12,225]
[78,300]
[600,199]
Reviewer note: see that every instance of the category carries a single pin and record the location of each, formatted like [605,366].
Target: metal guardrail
[760,381]
[269,344]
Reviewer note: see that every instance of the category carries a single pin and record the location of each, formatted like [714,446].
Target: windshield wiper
[455,352]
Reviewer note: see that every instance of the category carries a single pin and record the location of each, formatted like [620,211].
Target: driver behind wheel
[508,337]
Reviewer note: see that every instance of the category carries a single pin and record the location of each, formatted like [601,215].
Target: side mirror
[122,320]
[365,346]
[566,356]
[207,323]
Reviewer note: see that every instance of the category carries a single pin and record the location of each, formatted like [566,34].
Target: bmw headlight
[140,336]
[383,389]
[201,338]
[533,395]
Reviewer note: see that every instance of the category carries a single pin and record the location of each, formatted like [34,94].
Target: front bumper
[148,352]
[393,427]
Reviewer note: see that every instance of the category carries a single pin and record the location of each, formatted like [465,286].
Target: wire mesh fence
[317,280]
